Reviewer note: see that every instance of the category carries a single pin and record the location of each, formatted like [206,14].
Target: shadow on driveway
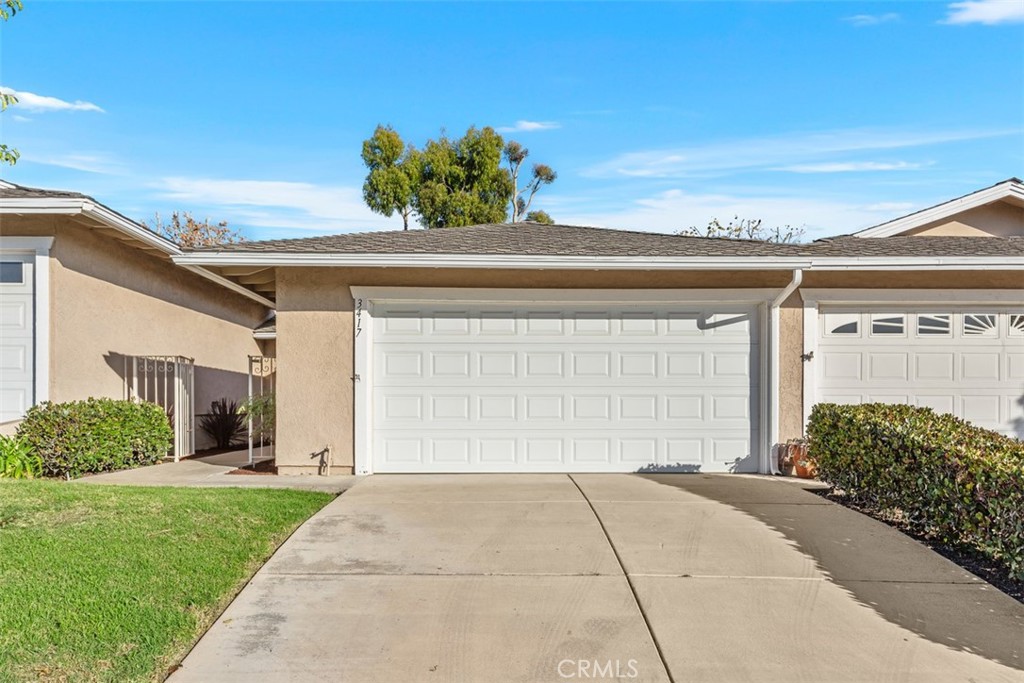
[902,580]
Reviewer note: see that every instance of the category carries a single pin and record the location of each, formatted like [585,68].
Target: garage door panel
[17,338]
[535,388]
[559,451]
[968,362]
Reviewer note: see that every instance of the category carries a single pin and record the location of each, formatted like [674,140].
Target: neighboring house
[528,348]
[87,295]
[532,348]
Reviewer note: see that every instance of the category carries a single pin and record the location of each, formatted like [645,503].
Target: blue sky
[828,115]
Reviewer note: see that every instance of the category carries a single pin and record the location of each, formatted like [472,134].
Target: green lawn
[112,583]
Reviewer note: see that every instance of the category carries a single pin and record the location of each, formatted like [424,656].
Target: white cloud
[721,158]
[87,162]
[41,103]
[852,167]
[276,204]
[676,209]
[529,126]
[987,12]
[860,20]
[20,119]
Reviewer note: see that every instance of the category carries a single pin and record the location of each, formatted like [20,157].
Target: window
[934,324]
[12,272]
[980,325]
[842,323]
[1017,325]
[887,324]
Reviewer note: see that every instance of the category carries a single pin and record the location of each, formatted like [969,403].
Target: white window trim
[39,248]
[865,297]
[366,298]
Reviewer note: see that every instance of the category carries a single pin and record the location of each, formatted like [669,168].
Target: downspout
[772,464]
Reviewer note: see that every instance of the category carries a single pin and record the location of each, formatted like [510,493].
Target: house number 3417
[359,316]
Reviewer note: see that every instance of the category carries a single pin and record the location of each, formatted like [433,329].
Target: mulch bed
[261,467]
[965,557]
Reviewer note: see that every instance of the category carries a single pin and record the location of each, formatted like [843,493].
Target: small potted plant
[802,463]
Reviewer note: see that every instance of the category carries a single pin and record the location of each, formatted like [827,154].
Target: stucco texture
[315,334]
[998,219]
[315,352]
[109,300]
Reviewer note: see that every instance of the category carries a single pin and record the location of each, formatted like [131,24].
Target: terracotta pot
[804,468]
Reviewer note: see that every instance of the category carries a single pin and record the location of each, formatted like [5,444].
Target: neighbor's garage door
[534,388]
[17,336]
[969,362]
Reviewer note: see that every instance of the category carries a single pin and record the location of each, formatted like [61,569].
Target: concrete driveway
[537,578]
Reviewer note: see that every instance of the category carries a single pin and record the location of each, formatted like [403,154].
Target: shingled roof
[9,190]
[535,239]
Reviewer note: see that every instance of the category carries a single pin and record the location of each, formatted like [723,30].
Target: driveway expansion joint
[629,581]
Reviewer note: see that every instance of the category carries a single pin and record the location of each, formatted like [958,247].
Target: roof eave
[1009,189]
[115,221]
[463,261]
[505,261]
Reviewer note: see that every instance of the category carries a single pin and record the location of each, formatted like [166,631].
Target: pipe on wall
[774,364]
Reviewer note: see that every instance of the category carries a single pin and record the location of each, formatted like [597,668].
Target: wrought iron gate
[169,382]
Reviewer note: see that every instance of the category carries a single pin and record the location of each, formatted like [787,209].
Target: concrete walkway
[213,471]
[538,578]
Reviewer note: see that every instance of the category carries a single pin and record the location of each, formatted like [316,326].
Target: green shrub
[17,461]
[946,477]
[224,423]
[96,435]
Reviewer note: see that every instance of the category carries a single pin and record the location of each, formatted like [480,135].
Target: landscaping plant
[225,423]
[262,410]
[95,435]
[17,461]
[937,473]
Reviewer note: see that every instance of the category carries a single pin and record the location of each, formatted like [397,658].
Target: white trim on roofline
[111,219]
[1012,188]
[528,262]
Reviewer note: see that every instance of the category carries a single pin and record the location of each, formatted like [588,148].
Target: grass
[105,583]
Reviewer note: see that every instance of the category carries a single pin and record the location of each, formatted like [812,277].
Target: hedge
[947,478]
[96,435]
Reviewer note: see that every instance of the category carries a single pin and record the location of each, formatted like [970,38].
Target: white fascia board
[602,262]
[559,296]
[918,263]
[70,205]
[951,208]
[512,261]
[813,296]
[128,227]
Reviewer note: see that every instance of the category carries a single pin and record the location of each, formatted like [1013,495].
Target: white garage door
[968,362]
[16,336]
[585,388]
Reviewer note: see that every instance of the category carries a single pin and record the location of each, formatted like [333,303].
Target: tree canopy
[450,182]
[542,174]
[394,174]
[462,181]
[746,229]
[539,216]
[8,155]
[186,231]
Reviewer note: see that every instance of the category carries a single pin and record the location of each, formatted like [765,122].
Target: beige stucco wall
[315,338]
[315,334]
[109,300]
[998,219]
